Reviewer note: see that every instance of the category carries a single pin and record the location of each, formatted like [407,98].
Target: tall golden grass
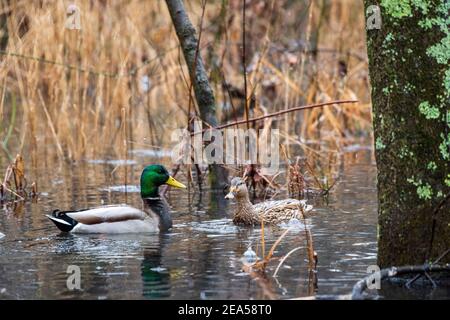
[74,89]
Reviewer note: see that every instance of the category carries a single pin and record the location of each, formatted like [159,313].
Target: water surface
[199,259]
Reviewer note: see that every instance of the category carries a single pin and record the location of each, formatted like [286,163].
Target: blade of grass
[52,127]
[284,259]
[11,126]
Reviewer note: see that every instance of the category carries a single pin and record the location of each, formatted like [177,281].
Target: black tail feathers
[62,220]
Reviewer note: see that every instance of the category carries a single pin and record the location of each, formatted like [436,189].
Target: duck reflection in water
[155,278]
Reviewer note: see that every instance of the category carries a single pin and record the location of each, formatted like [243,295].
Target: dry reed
[71,85]
[14,186]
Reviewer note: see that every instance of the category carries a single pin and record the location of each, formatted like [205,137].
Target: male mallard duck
[154,217]
[271,212]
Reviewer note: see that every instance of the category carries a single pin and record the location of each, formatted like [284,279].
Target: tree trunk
[203,91]
[410,78]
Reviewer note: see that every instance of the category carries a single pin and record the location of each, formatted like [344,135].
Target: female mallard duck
[154,217]
[271,212]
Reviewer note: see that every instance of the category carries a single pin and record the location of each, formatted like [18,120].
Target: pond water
[200,258]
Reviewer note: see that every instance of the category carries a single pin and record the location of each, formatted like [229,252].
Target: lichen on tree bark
[410,75]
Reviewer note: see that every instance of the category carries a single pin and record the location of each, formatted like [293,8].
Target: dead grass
[14,186]
[71,87]
[257,269]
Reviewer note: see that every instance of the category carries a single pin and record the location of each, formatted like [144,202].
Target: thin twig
[278,113]
[433,227]
[272,250]
[132,73]
[125,145]
[14,193]
[263,240]
[52,128]
[244,66]
[284,259]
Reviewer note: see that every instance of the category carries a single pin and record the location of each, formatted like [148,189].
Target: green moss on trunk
[409,68]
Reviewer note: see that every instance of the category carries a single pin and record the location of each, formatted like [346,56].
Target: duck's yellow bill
[174,183]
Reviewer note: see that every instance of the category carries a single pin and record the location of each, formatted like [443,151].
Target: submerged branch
[361,285]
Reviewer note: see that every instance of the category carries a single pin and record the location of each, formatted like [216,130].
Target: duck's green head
[152,177]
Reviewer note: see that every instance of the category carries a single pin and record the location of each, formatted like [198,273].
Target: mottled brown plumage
[271,212]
